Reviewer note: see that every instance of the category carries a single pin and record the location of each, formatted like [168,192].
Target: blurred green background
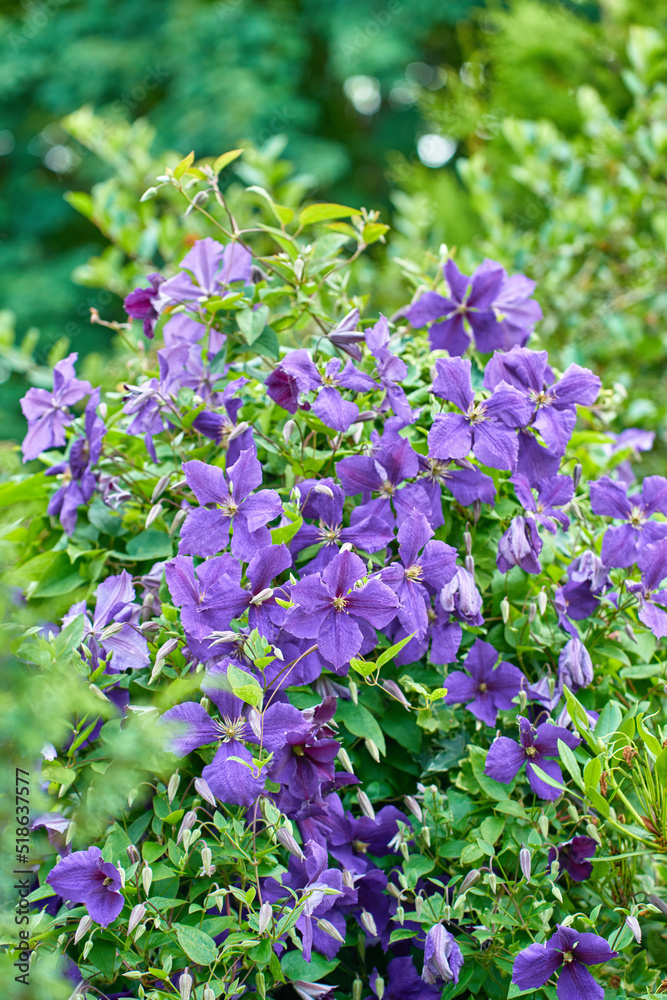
[534,132]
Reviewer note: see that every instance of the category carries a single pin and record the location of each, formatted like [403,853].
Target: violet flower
[48,413]
[351,840]
[403,983]
[486,427]
[552,493]
[465,484]
[209,597]
[554,404]
[370,534]
[535,748]
[520,546]
[228,501]
[442,957]
[341,616]
[291,379]
[205,271]
[570,951]
[84,877]
[143,303]
[572,857]
[296,375]
[652,563]
[489,686]
[344,335]
[468,306]
[461,598]
[622,543]
[115,597]
[575,667]
[390,370]
[383,473]
[78,481]
[408,578]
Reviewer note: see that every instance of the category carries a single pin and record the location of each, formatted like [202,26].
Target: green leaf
[295,967]
[286,532]
[360,723]
[653,745]
[363,667]
[325,211]
[546,778]
[592,772]
[197,945]
[225,159]
[251,322]
[661,767]
[495,789]
[70,637]
[186,162]
[244,686]
[598,802]
[373,231]
[491,828]
[570,763]
[609,721]
[150,544]
[388,654]
[30,488]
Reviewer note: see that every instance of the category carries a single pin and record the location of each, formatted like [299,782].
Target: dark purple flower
[572,951]
[78,481]
[552,493]
[572,857]
[461,598]
[434,567]
[383,473]
[553,404]
[506,757]
[330,407]
[323,500]
[442,957]
[85,878]
[291,379]
[517,313]
[465,484]
[302,759]
[469,306]
[227,500]
[489,686]
[230,775]
[390,370]
[48,413]
[144,303]
[520,546]
[403,983]
[652,564]
[575,667]
[352,840]
[330,608]
[622,544]
[486,427]
[209,597]
[115,597]
[205,271]
[223,428]
[345,337]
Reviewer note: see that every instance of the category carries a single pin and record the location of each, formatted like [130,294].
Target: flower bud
[630,632]
[164,651]
[419,905]
[400,914]
[298,268]
[172,787]
[414,807]
[476,510]
[379,987]
[532,612]
[153,514]
[543,824]
[467,538]
[133,855]
[357,989]
[136,916]
[633,924]
[575,667]
[179,517]
[288,430]
[348,879]
[205,792]
[373,750]
[471,878]
[392,688]
[87,947]
[148,194]
[469,564]
[328,928]
[187,823]
[354,692]
[83,927]
[426,836]
[542,601]
[525,862]
[185,985]
[344,758]
[200,198]
[147,878]
[493,883]
[208,868]
[572,811]
[365,804]
[576,475]
[265,917]
[284,837]
[505,610]
[368,923]
[208,994]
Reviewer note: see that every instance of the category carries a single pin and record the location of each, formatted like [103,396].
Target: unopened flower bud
[265,917]
[414,807]
[373,750]
[368,923]
[172,787]
[208,994]
[379,987]
[164,651]
[542,601]
[202,787]
[357,989]
[576,475]
[328,928]
[185,985]
[147,878]
[354,692]
[400,914]
[348,879]
[200,198]
[187,823]
[469,564]
[403,848]
[136,916]
[633,924]
[298,268]
[392,689]
[148,194]
[493,883]
[525,862]
[471,878]
[532,612]
[467,538]
[179,517]
[505,610]
[284,837]
[83,927]
[630,632]
[476,510]
[365,804]
[133,855]
[323,488]
[543,824]
[344,758]
[523,700]
[153,514]
[426,836]
[572,811]
[87,947]
[208,868]
[419,905]
[263,596]
[288,430]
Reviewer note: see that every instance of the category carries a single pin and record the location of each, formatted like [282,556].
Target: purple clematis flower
[492,686]
[48,413]
[469,306]
[520,546]
[291,379]
[205,271]
[115,597]
[466,485]
[341,616]
[344,336]
[409,578]
[461,598]
[85,878]
[552,493]
[622,544]
[442,957]
[209,597]
[351,840]
[573,952]
[487,427]
[403,983]
[517,313]
[553,404]
[572,857]
[652,564]
[302,758]
[296,375]
[143,303]
[78,481]
[383,473]
[506,757]
[324,501]
[230,775]
[575,667]
[228,501]
[390,370]
[223,428]
[145,404]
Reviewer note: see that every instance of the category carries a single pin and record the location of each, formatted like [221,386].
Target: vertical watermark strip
[24,873]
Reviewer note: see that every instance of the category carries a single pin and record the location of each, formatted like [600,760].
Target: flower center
[567,957]
[299,750]
[108,881]
[387,488]
[636,516]
[329,533]
[531,752]
[231,729]
[414,572]
[436,468]
[339,603]
[477,412]
[482,687]
[544,398]
[229,506]
[360,846]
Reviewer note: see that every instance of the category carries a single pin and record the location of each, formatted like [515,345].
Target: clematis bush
[349,630]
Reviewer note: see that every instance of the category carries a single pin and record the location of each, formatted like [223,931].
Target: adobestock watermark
[38,14]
